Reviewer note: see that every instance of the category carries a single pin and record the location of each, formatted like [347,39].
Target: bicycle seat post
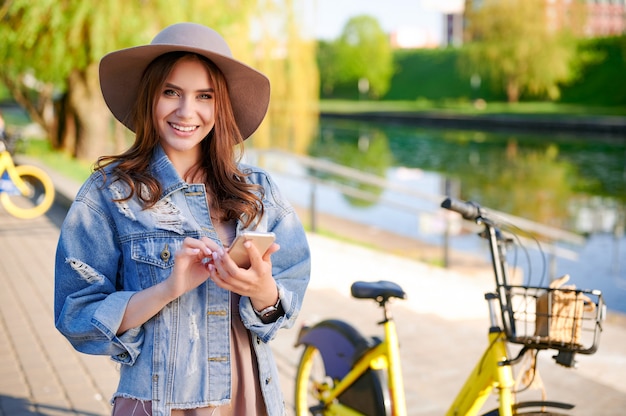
[384,304]
[394,370]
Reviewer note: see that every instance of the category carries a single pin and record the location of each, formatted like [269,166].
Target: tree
[519,45]
[362,52]
[327,64]
[51,50]
[287,57]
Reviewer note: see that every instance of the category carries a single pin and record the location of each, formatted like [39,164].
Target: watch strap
[269,311]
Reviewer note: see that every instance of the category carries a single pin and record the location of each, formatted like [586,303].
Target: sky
[416,18]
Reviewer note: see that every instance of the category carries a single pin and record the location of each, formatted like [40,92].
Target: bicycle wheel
[311,382]
[366,396]
[495,412]
[531,413]
[38,197]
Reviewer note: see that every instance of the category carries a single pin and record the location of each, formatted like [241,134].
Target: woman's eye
[170,92]
[206,96]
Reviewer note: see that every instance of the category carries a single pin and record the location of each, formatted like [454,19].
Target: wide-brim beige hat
[121,71]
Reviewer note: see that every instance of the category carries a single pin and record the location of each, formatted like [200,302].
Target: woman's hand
[256,282]
[190,262]
[189,272]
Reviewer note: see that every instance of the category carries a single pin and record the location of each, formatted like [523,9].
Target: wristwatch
[269,311]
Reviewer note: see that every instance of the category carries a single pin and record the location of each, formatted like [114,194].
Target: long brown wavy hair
[230,196]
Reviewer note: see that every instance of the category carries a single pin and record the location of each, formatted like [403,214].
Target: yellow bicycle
[342,372]
[25,191]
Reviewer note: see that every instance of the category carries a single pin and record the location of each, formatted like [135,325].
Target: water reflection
[571,182]
[366,150]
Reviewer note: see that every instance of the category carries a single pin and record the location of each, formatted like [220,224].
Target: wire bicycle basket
[565,319]
[557,317]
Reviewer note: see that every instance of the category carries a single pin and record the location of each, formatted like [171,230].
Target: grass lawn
[529,109]
[58,161]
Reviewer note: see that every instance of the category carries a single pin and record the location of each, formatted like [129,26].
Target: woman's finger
[271,250]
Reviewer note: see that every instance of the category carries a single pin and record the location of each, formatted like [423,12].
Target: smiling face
[185,112]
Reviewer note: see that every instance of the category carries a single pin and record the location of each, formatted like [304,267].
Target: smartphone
[261,240]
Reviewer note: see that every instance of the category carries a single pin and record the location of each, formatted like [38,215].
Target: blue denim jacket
[180,358]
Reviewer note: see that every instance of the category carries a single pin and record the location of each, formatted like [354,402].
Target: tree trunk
[120,134]
[65,138]
[91,116]
[40,109]
[512,91]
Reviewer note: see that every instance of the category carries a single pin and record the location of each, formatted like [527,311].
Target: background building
[602,18]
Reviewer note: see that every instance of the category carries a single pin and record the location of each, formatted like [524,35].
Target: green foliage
[602,78]
[52,38]
[49,39]
[432,74]
[435,78]
[362,52]
[326,63]
[58,161]
[513,44]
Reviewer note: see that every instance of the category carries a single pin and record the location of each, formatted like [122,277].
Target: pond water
[576,183]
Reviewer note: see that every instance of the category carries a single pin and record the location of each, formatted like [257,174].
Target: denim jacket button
[165,253]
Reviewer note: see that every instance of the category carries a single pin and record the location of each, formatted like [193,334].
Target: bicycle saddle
[374,290]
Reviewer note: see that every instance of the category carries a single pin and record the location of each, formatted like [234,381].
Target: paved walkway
[442,330]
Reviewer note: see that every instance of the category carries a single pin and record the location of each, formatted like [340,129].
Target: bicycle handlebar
[469,210]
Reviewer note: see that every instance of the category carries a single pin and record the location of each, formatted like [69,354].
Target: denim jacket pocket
[154,258]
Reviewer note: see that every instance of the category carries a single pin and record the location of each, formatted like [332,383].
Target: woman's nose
[185,107]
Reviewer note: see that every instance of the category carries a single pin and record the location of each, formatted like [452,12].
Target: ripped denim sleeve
[85,271]
[107,319]
[89,317]
[109,313]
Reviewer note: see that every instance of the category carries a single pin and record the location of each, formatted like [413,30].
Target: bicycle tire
[531,413]
[535,404]
[366,396]
[39,198]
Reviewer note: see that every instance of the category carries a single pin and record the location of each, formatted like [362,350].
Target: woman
[142,271]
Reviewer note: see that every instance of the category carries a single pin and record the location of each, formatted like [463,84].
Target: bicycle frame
[25,182]
[7,165]
[492,371]
[383,356]
[338,343]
